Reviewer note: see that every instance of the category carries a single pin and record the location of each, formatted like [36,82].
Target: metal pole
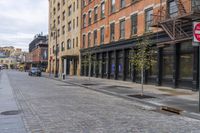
[56,73]
[199,76]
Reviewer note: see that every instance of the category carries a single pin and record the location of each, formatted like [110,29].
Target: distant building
[7,50]
[38,50]
[7,62]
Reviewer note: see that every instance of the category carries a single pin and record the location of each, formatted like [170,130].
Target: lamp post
[56,71]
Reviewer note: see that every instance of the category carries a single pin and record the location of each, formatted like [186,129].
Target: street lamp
[55,31]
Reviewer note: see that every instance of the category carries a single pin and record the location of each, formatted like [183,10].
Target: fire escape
[174,16]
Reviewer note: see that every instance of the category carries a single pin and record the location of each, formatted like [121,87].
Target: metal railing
[180,8]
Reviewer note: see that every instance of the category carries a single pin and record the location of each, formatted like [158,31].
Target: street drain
[141,96]
[12,112]
[171,109]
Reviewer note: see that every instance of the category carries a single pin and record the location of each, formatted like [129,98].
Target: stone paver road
[51,106]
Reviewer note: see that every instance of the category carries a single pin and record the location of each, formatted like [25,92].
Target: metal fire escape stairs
[172,25]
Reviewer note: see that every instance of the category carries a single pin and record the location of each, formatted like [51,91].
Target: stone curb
[146,105]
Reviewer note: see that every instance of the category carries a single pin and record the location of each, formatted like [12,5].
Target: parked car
[34,71]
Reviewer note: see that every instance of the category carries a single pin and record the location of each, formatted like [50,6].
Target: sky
[21,20]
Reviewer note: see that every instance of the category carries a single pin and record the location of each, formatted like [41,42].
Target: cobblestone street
[50,106]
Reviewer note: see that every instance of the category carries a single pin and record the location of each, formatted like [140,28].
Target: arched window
[68,44]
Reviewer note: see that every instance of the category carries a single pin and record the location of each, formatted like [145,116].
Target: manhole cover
[141,96]
[12,112]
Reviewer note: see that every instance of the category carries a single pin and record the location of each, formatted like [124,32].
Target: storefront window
[168,62]
[186,66]
[186,61]
[153,70]
[120,63]
[112,64]
[100,66]
[129,65]
[104,63]
[168,66]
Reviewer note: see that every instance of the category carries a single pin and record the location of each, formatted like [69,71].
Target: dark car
[34,71]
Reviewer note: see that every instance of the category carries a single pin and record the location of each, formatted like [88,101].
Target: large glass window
[104,64]
[122,3]
[153,69]
[186,61]
[99,63]
[102,10]
[196,5]
[68,44]
[70,10]
[168,62]
[84,41]
[84,20]
[120,64]
[129,65]
[122,29]
[95,37]
[112,32]
[112,6]
[89,39]
[112,64]
[102,35]
[172,8]
[134,24]
[89,17]
[186,66]
[168,66]
[148,19]
[95,14]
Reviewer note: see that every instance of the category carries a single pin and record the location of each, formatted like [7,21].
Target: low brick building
[38,50]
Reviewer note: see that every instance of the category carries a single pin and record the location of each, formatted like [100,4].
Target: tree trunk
[142,82]
[89,67]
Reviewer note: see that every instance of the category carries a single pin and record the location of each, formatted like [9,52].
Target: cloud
[21,20]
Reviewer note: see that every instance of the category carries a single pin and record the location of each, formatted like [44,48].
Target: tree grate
[89,84]
[11,112]
[139,96]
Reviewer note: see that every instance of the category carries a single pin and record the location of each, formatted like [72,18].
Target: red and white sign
[196,32]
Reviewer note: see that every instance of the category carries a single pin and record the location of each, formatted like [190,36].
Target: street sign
[196,32]
[196,42]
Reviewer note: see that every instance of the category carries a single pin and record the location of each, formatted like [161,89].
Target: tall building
[38,49]
[64,39]
[111,28]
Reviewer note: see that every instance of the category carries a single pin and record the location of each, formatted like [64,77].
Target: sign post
[196,42]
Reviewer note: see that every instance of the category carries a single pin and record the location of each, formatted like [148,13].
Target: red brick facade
[38,55]
[131,7]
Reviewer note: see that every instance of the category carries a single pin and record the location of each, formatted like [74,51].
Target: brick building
[38,49]
[110,29]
